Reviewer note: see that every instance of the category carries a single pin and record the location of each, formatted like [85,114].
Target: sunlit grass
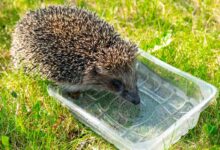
[30,119]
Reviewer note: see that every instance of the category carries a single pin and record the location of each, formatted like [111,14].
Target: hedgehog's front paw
[73,95]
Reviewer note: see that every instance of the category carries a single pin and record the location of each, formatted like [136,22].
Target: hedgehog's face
[119,81]
[120,86]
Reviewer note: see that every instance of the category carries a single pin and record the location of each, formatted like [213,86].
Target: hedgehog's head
[115,71]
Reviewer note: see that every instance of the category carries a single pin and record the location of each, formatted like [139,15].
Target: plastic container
[171,102]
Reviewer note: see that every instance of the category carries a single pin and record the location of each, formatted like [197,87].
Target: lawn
[183,33]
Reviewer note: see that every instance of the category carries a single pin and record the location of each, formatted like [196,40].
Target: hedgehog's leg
[74,95]
[72,91]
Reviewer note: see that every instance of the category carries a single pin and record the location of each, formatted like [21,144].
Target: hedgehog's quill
[75,49]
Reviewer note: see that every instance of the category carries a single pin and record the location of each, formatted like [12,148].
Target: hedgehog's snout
[131,96]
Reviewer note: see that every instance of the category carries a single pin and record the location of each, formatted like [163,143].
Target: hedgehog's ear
[95,71]
[99,69]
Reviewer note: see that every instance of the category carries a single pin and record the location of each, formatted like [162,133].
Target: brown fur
[73,46]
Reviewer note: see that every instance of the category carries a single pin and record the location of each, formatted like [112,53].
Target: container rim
[80,113]
[198,108]
[114,138]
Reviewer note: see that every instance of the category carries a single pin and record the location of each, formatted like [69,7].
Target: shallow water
[161,105]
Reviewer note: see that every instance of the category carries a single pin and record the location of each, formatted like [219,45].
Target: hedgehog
[76,50]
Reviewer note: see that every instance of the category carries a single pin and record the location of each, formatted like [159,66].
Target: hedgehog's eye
[117,84]
[107,68]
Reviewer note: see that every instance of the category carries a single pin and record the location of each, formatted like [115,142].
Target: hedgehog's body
[71,46]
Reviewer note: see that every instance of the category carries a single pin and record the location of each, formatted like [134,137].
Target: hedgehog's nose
[136,99]
[133,97]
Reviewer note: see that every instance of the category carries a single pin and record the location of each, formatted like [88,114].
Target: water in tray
[161,105]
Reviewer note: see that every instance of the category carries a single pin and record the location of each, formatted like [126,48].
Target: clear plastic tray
[171,102]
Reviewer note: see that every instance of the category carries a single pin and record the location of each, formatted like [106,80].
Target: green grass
[30,119]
